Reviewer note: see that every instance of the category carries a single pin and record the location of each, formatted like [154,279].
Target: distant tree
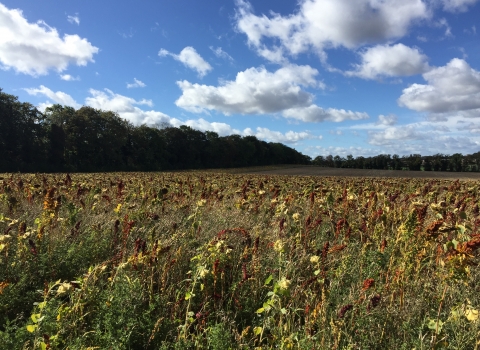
[329,161]
[396,162]
[349,162]
[359,162]
[455,162]
[427,164]
[338,161]
[319,161]
[414,162]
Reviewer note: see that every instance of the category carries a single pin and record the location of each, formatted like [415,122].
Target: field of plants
[205,260]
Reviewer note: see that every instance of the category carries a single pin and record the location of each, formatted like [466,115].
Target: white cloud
[221,54]
[254,91]
[74,19]
[57,97]
[126,107]
[135,84]
[36,48]
[191,59]
[277,136]
[454,87]
[387,120]
[393,134]
[201,124]
[266,134]
[442,22]
[390,61]
[314,151]
[321,24]
[68,77]
[316,114]
[457,5]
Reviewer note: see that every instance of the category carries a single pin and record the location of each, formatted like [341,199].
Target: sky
[338,77]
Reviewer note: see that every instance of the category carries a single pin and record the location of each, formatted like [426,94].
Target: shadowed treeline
[88,139]
[438,162]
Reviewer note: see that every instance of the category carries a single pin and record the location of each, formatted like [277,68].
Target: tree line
[436,162]
[87,139]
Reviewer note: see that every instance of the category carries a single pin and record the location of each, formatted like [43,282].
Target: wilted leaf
[471,315]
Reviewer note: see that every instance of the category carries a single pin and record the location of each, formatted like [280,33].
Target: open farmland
[204,260]
[300,170]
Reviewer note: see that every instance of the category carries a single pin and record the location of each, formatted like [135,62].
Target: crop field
[302,170]
[206,260]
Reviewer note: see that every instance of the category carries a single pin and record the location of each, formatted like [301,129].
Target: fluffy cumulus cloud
[126,107]
[314,151]
[136,83]
[277,136]
[57,97]
[266,134]
[316,114]
[321,24]
[390,61]
[129,109]
[36,48]
[451,88]
[191,59]
[394,134]
[457,5]
[254,91]
[387,120]
[201,124]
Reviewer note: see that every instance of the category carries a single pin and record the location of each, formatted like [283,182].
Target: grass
[204,260]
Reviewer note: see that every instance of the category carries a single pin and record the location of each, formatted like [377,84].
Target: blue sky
[323,76]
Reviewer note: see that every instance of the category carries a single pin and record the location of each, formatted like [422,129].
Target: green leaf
[259,311]
[43,346]
[435,325]
[455,243]
[257,330]
[188,295]
[463,215]
[283,310]
[268,280]
[35,318]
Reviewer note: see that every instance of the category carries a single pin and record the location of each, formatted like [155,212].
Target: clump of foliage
[201,260]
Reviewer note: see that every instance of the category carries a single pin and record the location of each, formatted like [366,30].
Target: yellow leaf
[257,330]
[471,315]
[35,317]
[31,328]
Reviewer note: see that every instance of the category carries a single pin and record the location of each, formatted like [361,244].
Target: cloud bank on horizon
[324,76]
